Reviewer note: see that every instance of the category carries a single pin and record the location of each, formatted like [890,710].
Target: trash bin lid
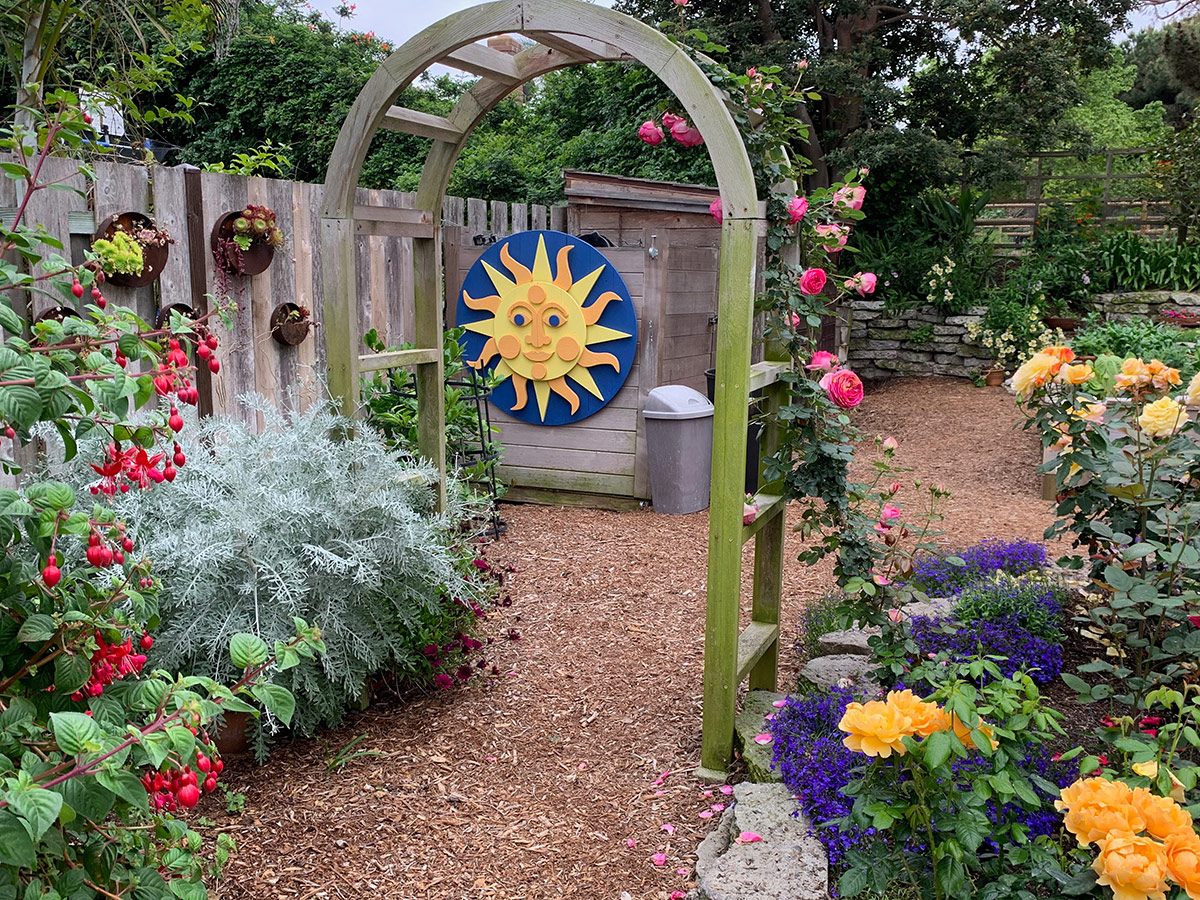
[677,401]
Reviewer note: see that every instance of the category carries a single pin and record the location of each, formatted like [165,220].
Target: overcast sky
[398,20]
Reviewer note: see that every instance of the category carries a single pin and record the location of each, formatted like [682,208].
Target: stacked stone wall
[919,341]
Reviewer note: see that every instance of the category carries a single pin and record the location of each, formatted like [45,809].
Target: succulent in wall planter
[130,249]
[291,323]
[244,242]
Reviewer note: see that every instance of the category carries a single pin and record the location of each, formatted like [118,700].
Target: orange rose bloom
[1076,374]
[1094,790]
[1134,867]
[876,728]
[1162,376]
[964,733]
[1092,822]
[926,717]
[1183,861]
[1162,815]
[1062,354]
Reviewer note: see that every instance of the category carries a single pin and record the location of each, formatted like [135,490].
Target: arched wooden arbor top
[567,33]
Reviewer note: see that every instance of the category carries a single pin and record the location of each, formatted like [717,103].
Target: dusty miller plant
[262,527]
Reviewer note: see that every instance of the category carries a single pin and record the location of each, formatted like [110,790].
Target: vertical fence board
[477,217]
[170,212]
[123,188]
[223,194]
[558,218]
[500,219]
[539,217]
[520,217]
[453,210]
[301,243]
[52,208]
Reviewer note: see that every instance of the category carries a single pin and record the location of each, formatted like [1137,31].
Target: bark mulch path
[547,780]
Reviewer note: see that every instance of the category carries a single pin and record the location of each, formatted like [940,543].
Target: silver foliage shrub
[258,528]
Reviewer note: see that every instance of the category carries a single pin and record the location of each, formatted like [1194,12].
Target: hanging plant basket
[155,244]
[233,259]
[163,319]
[290,324]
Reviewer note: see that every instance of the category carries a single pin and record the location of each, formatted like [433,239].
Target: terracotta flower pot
[154,256]
[1064,323]
[253,261]
[994,377]
[290,324]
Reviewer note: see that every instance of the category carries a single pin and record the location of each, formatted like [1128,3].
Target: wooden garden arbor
[568,33]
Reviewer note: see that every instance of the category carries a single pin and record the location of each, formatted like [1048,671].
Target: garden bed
[529,785]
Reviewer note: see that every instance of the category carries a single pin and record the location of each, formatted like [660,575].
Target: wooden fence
[187,203]
[1115,183]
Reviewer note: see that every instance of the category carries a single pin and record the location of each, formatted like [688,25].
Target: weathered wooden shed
[666,246]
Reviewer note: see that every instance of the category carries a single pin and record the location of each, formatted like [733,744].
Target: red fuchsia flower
[863,282]
[796,208]
[1102,759]
[850,197]
[686,134]
[813,280]
[822,361]
[650,133]
[717,211]
[1150,721]
[1107,722]
[1152,732]
[1195,620]
[845,389]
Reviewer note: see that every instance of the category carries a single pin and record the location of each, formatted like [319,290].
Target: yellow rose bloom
[926,717]
[875,728]
[1091,412]
[1134,867]
[1162,418]
[1033,373]
[1162,815]
[1094,790]
[1183,861]
[1079,374]
[1134,373]
[1150,770]
[1192,397]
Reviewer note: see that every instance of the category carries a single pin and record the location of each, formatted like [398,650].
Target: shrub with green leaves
[291,521]
[1036,603]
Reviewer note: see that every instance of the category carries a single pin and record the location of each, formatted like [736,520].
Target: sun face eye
[554,319]
[520,315]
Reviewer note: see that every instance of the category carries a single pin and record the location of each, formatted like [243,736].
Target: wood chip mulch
[547,780]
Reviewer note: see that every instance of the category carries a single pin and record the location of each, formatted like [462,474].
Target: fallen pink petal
[706,815]
[631,843]
[726,789]
[708,793]
[668,828]
[717,807]
[763,738]
[779,704]
[748,837]
[659,859]
[684,872]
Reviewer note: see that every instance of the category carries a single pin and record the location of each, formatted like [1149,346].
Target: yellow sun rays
[541,329]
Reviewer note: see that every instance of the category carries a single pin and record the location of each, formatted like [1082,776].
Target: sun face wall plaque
[562,336]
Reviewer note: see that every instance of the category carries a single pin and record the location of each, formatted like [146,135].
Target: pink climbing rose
[850,197]
[822,360]
[797,208]
[845,389]
[833,237]
[686,134]
[889,445]
[669,119]
[863,282]
[813,280]
[651,133]
[717,212]
[795,320]
[891,512]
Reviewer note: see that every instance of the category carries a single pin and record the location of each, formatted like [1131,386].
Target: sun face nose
[537,336]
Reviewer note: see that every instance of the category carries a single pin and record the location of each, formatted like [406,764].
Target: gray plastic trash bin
[679,434]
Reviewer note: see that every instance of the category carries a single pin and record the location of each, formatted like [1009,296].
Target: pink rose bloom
[825,381]
[864,171]
[833,237]
[651,133]
[890,443]
[850,197]
[795,320]
[797,208]
[813,280]
[686,134]
[802,65]
[749,513]
[894,488]
[681,2]
[890,511]
[845,389]
[895,616]
[823,360]
[717,211]
[669,120]
[863,282]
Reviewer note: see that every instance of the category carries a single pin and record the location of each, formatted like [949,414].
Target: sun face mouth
[538,355]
